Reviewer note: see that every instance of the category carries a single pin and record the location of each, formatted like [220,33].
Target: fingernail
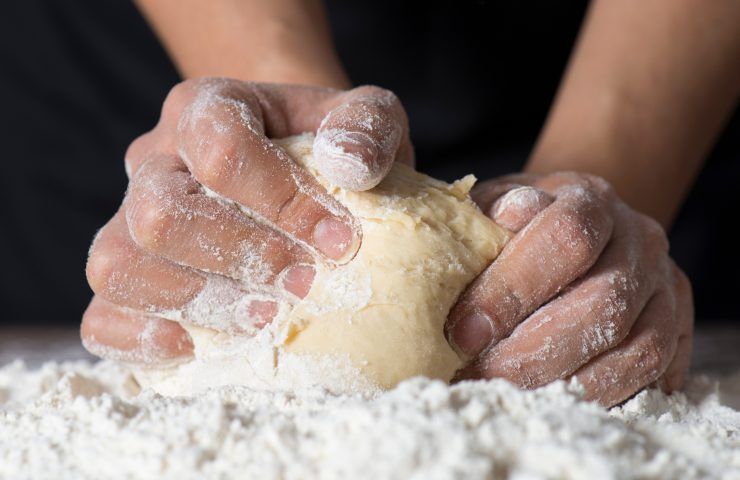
[335,239]
[261,313]
[298,280]
[470,335]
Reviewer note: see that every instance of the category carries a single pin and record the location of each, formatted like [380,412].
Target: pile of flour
[79,420]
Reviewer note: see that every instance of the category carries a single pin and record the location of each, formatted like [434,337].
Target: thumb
[358,141]
[517,207]
[511,200]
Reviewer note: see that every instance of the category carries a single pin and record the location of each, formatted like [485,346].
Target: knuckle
[570,179]
[101,265]
[653,352]
[684,295]
[94,319]
[600,185]
[654,233]
[683,284]
[672,381]
[185,91]
[88,327]
[612,328]
[383,95]
[179,96]
[580,232]
[99,270]
[611,316]
[215,139]
[137,151]
[149,223]
[595,186]
[291,207]
[216,167]
[149,217]
[528,373]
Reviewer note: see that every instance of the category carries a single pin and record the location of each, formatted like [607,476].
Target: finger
[674,375]
[170,215]
[125,335]
[372,118]
[515,209]
[558,246]
[222,141]
[140,151]
[121,272]
[162,138]
[359,133]
[591,317]
[487,192]
[358,140]
[639,360]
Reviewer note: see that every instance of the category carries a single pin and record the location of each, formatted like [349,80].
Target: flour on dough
[374,321]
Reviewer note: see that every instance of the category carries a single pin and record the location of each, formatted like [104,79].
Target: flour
[254,362]
[83,421]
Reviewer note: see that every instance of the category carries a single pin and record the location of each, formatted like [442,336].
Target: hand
[182,248]
[585,288]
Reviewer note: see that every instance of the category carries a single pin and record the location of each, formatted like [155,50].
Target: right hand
[174,252]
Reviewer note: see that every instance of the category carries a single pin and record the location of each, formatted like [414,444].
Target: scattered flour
[84,421]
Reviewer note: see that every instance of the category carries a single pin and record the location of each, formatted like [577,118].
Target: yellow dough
[378,318]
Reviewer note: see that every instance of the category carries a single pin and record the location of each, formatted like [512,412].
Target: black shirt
[80,80]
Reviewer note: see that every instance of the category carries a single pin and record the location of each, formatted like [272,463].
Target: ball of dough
[374,321]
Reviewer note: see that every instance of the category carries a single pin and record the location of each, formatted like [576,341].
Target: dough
[374,321]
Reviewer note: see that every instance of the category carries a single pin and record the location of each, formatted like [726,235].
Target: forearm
[283,41]
[647,91]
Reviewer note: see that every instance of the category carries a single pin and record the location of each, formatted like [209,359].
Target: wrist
[261,40]
[278,51]
[601,132]
[291,66]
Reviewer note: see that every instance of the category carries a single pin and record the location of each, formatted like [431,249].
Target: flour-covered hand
[219,226]
[585,288]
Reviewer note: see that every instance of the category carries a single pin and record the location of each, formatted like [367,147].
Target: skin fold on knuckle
[107,258]
[505,362]
[179,97]
[139,151]
[581,230]
[215,130]
[611,385]
[149,216]
[194,230]
[619,286]
[592,316]
[684,300]
[101,264]
[213,149]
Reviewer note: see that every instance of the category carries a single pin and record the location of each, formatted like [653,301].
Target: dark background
[80,80]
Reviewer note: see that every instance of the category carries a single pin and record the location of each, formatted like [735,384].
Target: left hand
[585,288]
[174,253]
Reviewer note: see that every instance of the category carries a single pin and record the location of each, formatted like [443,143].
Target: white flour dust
[82,421]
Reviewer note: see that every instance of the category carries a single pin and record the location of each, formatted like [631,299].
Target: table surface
[716,347]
